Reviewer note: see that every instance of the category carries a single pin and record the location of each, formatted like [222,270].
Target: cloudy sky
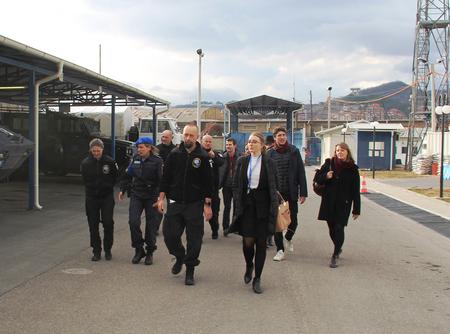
[251,47]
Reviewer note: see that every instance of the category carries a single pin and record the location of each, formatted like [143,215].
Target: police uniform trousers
[137,206]
[100,209]
[178,218]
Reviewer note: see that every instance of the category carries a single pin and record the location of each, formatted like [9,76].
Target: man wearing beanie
[99,172]
[291,185]
[141,181]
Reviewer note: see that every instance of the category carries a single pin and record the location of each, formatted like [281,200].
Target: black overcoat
[240,182]
[341,191]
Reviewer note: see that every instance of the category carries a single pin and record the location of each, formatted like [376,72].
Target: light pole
[329,106]
[374,126]
[199,95]
[442,111]
[344,131]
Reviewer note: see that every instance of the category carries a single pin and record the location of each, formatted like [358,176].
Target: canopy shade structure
[264,105]
[80,86]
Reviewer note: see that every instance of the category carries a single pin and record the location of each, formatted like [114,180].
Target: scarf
[339,165]
[281,148]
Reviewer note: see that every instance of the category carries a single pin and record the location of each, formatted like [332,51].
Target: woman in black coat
[255,194]
[341,179]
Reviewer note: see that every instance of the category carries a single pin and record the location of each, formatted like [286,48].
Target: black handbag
[318,188]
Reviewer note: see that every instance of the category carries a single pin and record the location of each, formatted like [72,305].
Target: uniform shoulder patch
[196,162]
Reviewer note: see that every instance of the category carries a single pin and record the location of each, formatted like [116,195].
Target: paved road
[394,278]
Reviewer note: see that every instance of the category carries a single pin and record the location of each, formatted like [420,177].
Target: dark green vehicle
[64,140]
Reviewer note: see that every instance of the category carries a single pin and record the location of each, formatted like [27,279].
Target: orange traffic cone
[364,186]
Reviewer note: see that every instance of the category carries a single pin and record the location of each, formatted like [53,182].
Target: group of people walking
[180,185]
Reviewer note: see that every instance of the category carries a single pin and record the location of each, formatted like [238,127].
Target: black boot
[97,256]
[108,255]
[177,266]
[189,280]
[140,253]
[257,285]
[148,259]
[248,273]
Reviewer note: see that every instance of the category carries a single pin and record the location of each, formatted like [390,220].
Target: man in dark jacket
[188,191]
[166,144]
[291,184]
[227,173]
[216,160]
[164,149]
[142,180]
[99,173]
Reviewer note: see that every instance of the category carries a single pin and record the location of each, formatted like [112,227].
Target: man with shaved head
[215,160]
[166,144]
[188,194]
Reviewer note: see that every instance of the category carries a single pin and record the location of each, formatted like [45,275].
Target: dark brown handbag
[318,188]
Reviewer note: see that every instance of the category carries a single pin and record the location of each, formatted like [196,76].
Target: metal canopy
[263,105]
[79,87]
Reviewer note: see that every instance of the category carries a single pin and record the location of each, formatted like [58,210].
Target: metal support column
[31,129]
[234,122]
[155,125]
[113,127]
[290,135]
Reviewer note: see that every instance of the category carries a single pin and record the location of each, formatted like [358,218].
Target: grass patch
[432,192]
[390,174]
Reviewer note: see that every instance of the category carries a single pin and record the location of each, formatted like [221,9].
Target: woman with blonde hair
[340,176]
[255,193]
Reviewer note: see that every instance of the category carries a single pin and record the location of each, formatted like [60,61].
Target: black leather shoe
[257,285]
[148,259]
[177,266]
[108,255]
[248,274]
[96,257]
[140,253]
[215,235]
[189,280]
[225,232]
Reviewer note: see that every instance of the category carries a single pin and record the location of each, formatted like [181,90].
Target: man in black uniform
[99,173]
[164,149]
[142,181]
[188,191]
[216,160]
[166,144]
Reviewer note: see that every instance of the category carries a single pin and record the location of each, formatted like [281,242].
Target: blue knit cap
[144,140]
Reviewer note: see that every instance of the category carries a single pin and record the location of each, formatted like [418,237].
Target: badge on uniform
[196,163]
[105,169]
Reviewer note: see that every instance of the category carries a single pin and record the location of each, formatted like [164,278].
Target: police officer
[99,172]
[188,191]
[142,180]
[216,160]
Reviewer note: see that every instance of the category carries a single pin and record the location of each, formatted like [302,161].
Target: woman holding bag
[255,192]
[340,176]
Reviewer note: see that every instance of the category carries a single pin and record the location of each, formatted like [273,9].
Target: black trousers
[180,217]
[227,193]
[215,208]
[293,208]
[100,209]
[137,206]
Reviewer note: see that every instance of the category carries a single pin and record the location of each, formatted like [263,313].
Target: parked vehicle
[164,123]
[64,140]
[14,150]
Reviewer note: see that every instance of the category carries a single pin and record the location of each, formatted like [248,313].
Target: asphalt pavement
[394,275]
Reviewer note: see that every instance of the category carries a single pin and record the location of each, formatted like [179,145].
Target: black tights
[337,235]
[248,246]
